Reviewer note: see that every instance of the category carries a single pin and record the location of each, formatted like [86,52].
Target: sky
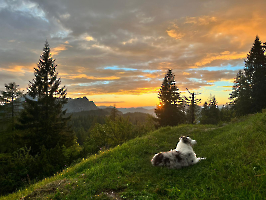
[117,52]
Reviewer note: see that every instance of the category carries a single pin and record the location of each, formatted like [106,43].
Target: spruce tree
[255,71]
[114,114]
[248,95]
[9,98]
[43,117]
[204,113]
[240,97]
[168,111]
[210,113]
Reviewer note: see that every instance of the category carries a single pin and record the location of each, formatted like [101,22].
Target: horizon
[118,53]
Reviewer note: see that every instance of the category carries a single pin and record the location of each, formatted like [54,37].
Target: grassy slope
[235,167]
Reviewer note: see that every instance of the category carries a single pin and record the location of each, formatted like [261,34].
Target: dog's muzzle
[193,142]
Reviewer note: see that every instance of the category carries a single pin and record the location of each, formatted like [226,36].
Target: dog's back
[172,159]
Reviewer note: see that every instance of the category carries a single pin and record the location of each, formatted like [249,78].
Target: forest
[38,138]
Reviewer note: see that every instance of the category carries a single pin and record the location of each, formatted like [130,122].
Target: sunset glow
[116,52]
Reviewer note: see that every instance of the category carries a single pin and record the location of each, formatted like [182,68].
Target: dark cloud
[86,36]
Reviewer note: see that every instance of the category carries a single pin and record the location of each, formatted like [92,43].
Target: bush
[115,132]
[21,168]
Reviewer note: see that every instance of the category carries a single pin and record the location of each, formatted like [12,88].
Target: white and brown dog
[182,156]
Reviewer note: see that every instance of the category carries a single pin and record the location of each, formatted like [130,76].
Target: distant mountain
[79,104]
[83,104]
[138,109]
[150,109]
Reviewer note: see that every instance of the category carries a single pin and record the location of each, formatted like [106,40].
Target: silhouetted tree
[248,94]
[43,118]
[241,99]
[192,102]
[226,113]
[114,113]
[210,113]
[8,98]
[255,72]
[168,111]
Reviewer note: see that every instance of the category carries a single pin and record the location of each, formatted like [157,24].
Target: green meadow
[235,167]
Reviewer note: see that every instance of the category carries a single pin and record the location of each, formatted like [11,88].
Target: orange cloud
[226,55]
[203,20]
[151,75]
[239,24]
[19,68]
[57,50]
[89,38]
[75,76]
[185,73]
[16,68]
[139,91]
[227,86]
[174,34]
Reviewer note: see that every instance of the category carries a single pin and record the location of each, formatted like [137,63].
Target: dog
[182,156]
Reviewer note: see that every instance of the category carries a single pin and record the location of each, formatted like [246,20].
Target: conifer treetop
[168,94]
[46,82]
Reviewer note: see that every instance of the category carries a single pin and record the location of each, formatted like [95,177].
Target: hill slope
[235,167]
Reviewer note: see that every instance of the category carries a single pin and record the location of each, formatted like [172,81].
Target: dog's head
[187,140]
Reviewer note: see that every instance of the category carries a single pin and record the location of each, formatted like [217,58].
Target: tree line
[248,95]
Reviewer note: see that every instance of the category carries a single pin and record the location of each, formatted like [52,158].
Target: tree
[168,111]
[241,99]
[8,98]
[43,118]
[210,113]
[248,93]
[226,113]
[114,113]
[255,72]
[192,102]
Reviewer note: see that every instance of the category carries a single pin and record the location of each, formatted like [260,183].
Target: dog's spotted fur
[182,156]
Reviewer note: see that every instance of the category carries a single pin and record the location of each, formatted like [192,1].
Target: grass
[235,167]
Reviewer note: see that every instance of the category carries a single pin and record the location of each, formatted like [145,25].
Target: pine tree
[214,111]
[114,114]
[9,97]
[255,71]
[168,111]
[248,94]
[43,118]
[226,113]
[204,113]
[241,95]
[210,113]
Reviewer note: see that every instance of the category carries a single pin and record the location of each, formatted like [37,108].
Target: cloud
[226,55]
[109,102]
[175,34]
[202,20]
[149,36]
[58,49]
[14,69]
[84,76]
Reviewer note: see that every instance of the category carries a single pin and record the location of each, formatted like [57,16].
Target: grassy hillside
[235,167]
